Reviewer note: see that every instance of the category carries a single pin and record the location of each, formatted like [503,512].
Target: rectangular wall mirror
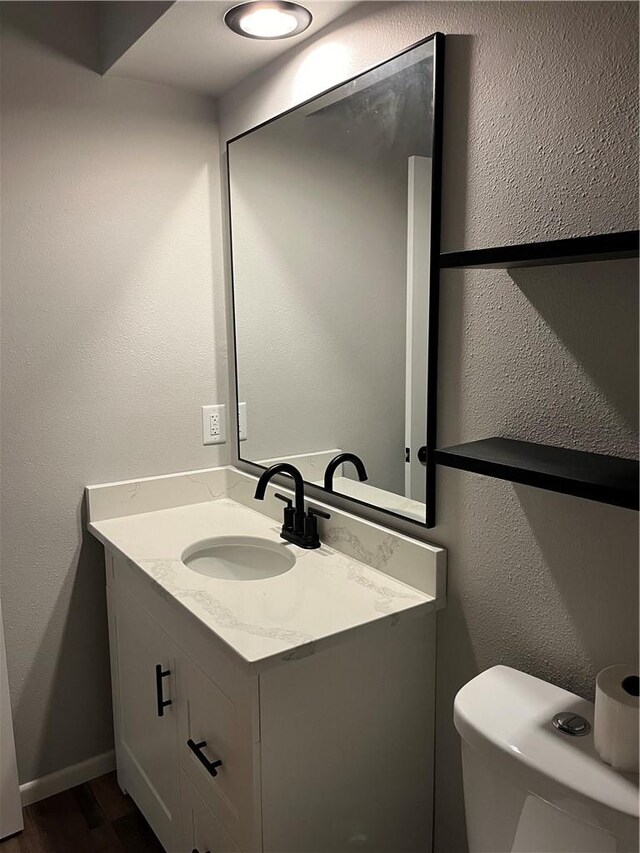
[335,220]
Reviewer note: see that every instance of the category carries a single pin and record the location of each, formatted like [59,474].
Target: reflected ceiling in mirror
[334,226]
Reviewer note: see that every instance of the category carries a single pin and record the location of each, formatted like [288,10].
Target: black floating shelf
[603,247]
[608,479]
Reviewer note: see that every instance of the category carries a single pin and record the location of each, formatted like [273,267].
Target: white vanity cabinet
[326,750]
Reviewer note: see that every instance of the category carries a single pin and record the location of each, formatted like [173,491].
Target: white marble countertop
[325,594]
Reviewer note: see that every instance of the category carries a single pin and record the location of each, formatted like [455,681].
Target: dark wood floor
[93,818]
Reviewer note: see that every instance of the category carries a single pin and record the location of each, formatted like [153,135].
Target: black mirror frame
[335,498]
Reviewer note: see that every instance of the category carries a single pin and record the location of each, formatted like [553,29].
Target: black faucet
[299,527]
[338,460]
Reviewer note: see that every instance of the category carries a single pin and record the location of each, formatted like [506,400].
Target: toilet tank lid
[507,715]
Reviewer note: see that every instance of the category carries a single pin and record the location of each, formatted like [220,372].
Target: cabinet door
[147,715]
[211,719]
[202,831]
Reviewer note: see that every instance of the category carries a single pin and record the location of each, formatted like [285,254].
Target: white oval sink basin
[238,558]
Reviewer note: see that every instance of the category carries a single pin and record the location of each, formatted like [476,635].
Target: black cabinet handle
[160,700]
[196,749]
[195,850]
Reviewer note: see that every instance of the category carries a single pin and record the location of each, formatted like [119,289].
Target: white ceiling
[189,46]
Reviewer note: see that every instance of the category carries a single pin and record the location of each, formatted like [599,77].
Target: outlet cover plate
[214,424]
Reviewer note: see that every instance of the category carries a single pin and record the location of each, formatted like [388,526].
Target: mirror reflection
[331,224]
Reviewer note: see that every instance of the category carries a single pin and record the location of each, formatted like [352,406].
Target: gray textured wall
[540,142]
[110,246]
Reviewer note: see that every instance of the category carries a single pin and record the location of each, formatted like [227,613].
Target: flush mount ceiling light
[268,20]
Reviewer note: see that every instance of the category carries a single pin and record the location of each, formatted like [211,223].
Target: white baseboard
[69,777]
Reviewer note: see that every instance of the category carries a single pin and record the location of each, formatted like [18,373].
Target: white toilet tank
[530,788]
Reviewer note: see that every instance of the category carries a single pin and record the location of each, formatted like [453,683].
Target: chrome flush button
[572,724]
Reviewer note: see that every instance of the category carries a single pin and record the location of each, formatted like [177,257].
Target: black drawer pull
[196,749]
[195,850]
[160,700]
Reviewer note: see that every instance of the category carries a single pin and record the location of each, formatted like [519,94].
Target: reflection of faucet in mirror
[299,527]
[338,460]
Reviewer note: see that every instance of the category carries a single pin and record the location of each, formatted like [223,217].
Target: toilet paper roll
[615,726]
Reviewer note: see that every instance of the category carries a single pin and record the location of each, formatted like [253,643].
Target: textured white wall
[110,261]
[540,142]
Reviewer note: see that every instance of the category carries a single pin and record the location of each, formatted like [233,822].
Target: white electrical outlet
[242,421]
[214,424]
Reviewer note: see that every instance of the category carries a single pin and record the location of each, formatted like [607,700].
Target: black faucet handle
[288,522]
[311,526]
[284,499]
[319,512]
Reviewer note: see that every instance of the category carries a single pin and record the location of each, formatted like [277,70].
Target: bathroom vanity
[288,713]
